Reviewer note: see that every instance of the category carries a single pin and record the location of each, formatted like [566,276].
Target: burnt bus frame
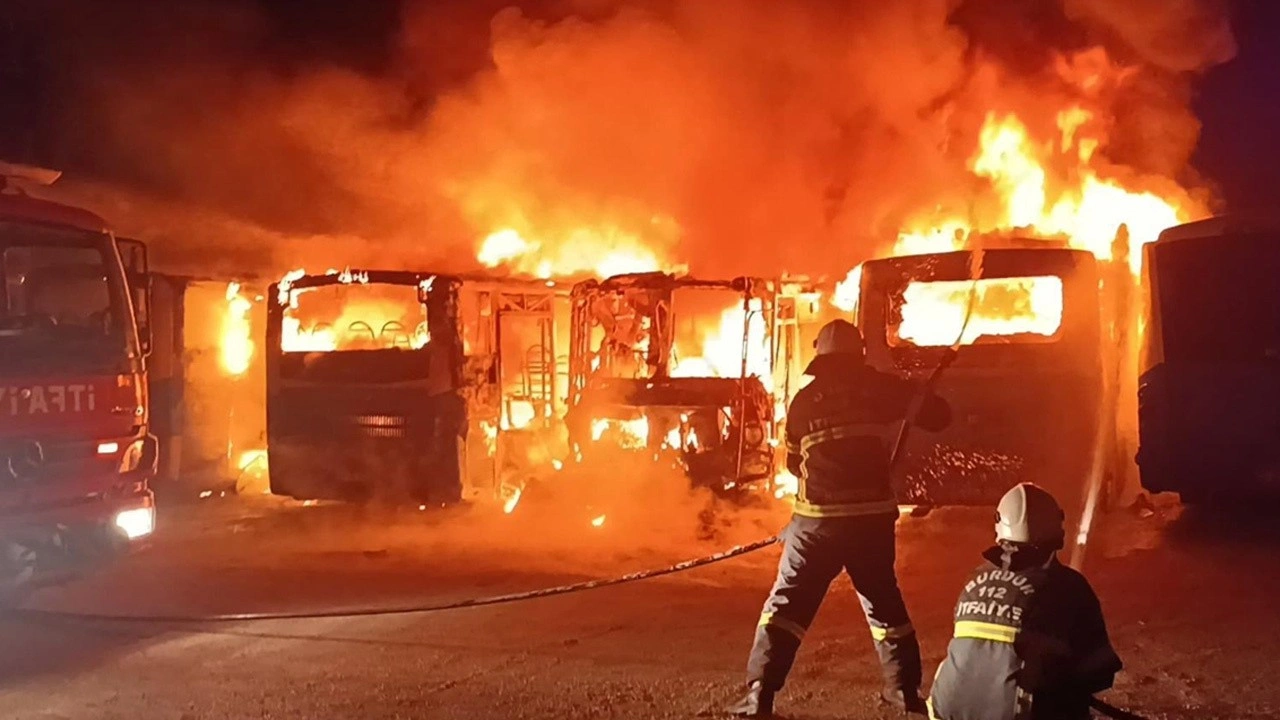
[439,293]
[662,384]
[1067,372]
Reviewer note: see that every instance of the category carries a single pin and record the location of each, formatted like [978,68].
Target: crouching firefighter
[1030,641]
[840,429]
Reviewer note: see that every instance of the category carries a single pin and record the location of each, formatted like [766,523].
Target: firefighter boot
[757,703]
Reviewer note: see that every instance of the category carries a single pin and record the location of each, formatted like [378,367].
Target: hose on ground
[408,609]
[1112,711]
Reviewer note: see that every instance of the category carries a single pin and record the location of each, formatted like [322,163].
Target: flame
[601,252]
[236,352]
[848,290]
[1057,185]
[379,320]
[520,414]
[717,351]
[252,458]
[933,313]
[490,433]
[1089,214]
[785,484]
[598,521]
[629,434]
[1053,187]
[513,499]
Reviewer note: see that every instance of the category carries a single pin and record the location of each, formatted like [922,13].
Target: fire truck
[76,454]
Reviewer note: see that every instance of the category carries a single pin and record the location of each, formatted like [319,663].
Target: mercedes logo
[25,459]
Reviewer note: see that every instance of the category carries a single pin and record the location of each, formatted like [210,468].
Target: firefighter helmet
[839,337]
[1029,514]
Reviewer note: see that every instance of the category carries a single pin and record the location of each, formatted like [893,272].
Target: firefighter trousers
[814,551]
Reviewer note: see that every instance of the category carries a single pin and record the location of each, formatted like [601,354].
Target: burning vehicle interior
[680,368]
[411,386]
[364,380]
[1026,385]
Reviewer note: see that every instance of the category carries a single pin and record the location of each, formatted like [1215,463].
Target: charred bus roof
[667,281]
[1241,224]
[996,263]
[410,278]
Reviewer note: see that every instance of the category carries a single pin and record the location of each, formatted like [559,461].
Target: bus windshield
[354,316]
[990,310]
[1217,299]
[64,305]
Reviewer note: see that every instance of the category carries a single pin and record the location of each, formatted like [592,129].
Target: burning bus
[683,368]
[364,387]
[1027,383]
[379,381]
[1209,387]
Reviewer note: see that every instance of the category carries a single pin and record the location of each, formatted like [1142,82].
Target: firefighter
[1030,641]
[840,429]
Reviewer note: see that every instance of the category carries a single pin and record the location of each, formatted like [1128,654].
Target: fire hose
[409,609]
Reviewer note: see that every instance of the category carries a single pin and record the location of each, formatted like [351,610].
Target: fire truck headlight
[132,456]
[137,523]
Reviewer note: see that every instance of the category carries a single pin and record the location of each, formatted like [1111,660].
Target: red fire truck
[76,456]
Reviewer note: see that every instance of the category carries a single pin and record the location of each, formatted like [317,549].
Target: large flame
[377,317]
[1075,203]
[236,346]
[717,351]
[601,252]
[933,313]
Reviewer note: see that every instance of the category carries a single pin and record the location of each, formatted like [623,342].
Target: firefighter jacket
[1029,643]
[840,433]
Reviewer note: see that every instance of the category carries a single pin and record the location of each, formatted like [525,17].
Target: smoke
[734,137]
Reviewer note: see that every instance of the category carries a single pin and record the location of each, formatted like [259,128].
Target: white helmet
[1029,514]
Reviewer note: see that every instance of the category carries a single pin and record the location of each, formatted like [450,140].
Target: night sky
[1238,102]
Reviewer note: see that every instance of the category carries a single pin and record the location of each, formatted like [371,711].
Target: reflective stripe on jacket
[1028,632]
[840,432]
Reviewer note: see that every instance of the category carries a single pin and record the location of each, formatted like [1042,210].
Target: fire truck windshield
[64,304]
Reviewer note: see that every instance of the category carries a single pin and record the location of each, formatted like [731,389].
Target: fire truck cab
[76,454]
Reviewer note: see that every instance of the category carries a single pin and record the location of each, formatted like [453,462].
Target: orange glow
[236,351]
[629,434]
[717,351]
[602,252]
[847,291]
[1089,213]
[785,485]
[520,414]
[1056,182]
[512,495]
[933,313]
[354,315]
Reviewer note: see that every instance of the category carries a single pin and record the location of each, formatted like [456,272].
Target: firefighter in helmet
[840,432]
[1030,641]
